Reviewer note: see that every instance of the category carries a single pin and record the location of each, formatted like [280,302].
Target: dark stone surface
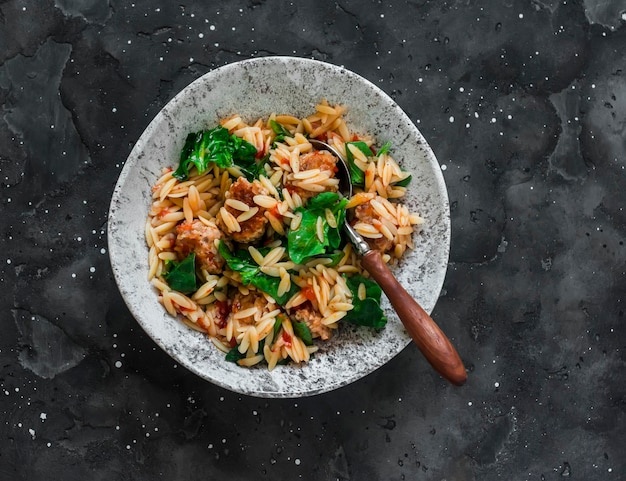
[524,105]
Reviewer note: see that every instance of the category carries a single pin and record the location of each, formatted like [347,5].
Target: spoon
[426,334]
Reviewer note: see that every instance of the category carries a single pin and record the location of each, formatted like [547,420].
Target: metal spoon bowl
[426,334]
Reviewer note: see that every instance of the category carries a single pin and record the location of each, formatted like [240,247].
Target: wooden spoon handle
[429,338]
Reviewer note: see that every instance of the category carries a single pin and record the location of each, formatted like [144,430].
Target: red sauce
[274,211]
[286,338]
[184,226]
[309,293]
[222,312]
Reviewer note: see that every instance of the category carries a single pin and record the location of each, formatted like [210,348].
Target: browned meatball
[366,213]
[198,238]
[253,228]
[313,319]
[317,159]
[241,302]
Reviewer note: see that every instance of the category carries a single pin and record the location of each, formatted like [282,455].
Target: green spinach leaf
[234,355]
[303,242]
[366,312]
[384,149]
[404,182]
[277,325]
[280,131]
[335,257]
[214,145]
[356,174]
[253,169]
[301,330]
[182,276]
[242,262]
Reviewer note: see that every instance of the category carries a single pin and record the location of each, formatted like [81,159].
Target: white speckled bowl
[255,88]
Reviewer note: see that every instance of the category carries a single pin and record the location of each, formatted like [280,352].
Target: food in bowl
[245,239]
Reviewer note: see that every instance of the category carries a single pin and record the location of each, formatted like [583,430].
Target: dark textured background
[524,105]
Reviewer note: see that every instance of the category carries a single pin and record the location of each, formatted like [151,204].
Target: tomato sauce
[222,312]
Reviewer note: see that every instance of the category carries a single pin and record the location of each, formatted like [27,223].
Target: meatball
[253,228]
[313,319]
[199,238]
[241,302]
[366,213]
[317,159]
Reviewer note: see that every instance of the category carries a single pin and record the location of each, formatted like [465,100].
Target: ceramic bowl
[255,88]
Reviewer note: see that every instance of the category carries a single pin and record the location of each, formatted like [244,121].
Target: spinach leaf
[242,262]
[301,330]
[234,355]
[324,200]
[182,276]
[251,168]
[366,312]
[243,151]
[303,242]
[277,325]
[214,145]
[384,149]
[335,257]
[357,175]
[404,182]
[269,285]
[280,131]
